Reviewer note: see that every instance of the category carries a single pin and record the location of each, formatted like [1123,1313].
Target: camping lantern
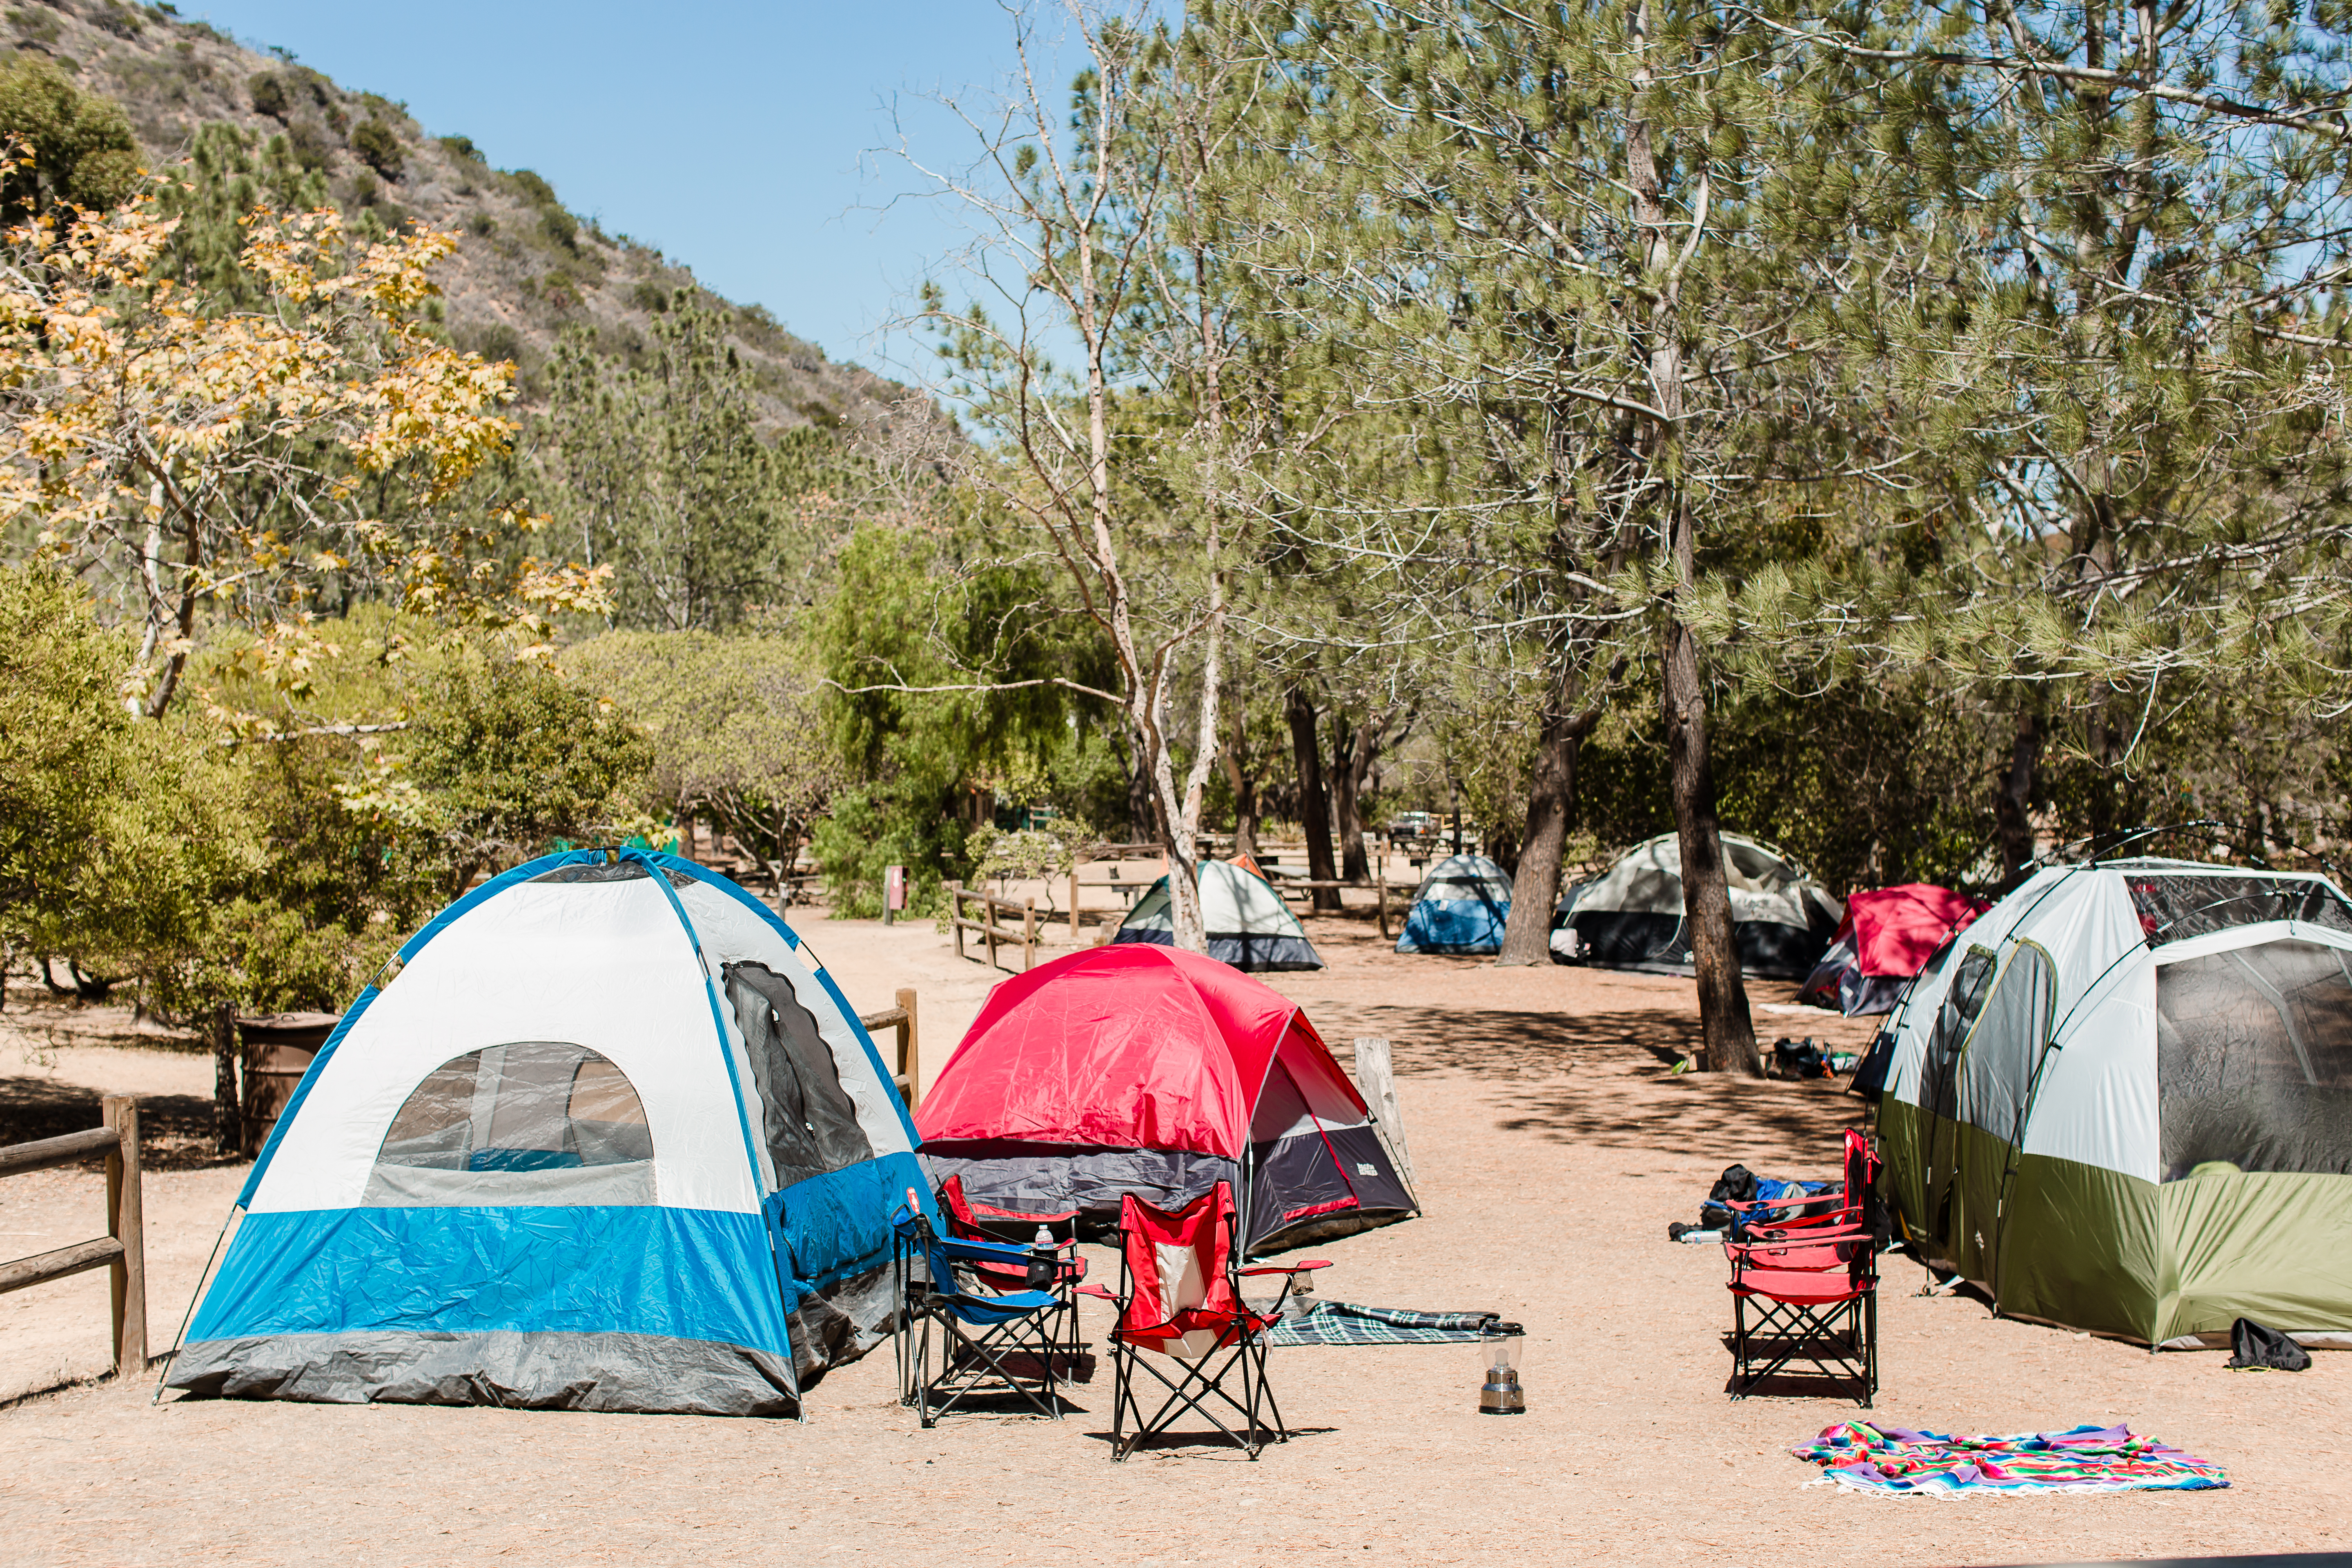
[1500,1352]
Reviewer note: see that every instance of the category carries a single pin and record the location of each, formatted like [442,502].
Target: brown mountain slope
[525,269]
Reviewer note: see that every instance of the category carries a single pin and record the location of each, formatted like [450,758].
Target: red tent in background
[1143,1069]
[1887,937]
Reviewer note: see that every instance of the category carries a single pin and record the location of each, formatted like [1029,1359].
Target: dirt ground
[1552,1147]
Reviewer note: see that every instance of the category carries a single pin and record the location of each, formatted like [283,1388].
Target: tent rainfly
[602,1136]
[1888,936]
[2121,1101]
[1461,905]
[1632,916]
[1248,924]
[1157,1071]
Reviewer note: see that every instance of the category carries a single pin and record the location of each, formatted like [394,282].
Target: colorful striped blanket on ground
[1346,1323]
[1896,1462]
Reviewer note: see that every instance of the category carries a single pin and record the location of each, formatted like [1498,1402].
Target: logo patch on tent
[1364,1170]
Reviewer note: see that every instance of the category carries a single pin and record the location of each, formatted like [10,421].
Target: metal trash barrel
[275,1050]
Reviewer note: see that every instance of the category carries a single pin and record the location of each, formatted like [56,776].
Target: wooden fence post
[955,914]
[1377,1079]
[1028,934]
[1074,903]
[1380,892]
[126,1223]
[911,1050]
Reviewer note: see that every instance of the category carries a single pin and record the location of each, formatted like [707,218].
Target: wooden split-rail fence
[123,1246]
[988,933]
[900,1021]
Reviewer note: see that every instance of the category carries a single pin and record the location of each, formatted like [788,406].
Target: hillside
[526,268]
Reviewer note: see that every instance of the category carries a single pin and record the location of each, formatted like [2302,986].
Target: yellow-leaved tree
[200,467]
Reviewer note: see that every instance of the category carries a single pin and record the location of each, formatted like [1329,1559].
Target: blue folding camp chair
[958,1340]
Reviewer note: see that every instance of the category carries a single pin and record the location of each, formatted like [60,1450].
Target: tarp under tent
[604,1135]
[1249,925]
[1631,917]
[1888,936]
[1461,905]
[2121,1101]
[1156,1071]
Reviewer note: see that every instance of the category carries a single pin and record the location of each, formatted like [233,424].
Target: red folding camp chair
[1180,1287]
[1816,1300]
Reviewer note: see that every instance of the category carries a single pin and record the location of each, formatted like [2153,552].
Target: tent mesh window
[1962,1002]
[1997,1071]
[2173,909]
[543,1111]
[807,1119]
[2254,1061]
[610,872]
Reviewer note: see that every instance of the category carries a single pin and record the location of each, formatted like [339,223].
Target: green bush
[83,152]
[378,146]
[560,228]
[306,145]
[461,147]
[533,189]
[270,97]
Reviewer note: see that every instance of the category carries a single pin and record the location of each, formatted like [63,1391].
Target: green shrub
[482,226]
[113,17]
[461,147]
[533,189]
[37,23]
[308,146]
[378,146]
[560,228]
[649,297]
[270,95]
[83,152]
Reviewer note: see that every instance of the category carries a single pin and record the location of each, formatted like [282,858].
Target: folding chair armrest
[1098,1293]
[1287,1268]
[1739,1206]
[963,1251]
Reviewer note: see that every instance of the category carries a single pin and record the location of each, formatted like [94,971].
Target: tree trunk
[1314,802]
[1727,1033]
[1238,774]
[1727,1029]
[2012,811]
[1348,745]
[1551,801]
[1142,827]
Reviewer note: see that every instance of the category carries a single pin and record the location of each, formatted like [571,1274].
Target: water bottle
[1041,1259]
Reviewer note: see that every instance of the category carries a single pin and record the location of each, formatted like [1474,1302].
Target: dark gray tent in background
[1632,917]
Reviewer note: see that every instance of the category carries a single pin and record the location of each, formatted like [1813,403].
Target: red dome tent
[1145,1069]
[1888,936]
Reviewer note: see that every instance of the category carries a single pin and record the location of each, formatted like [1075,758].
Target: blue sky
[740,139]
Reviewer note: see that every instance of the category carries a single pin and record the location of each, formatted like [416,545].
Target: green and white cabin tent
[2121,1101]
[604,1135]
[1248,924]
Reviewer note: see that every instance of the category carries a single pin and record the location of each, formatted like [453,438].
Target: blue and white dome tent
[603,1136]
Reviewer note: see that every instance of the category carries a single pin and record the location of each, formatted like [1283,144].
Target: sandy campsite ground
[1552,1150]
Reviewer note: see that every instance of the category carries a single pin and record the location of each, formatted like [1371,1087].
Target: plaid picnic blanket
[1346,1323]
[1893,1461]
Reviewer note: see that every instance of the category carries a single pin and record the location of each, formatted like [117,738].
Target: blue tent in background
[1460,907]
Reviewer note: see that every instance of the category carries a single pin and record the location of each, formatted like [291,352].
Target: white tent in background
[1249,926]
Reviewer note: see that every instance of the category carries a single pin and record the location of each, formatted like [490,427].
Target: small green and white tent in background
[1248,924]
[2121,1100]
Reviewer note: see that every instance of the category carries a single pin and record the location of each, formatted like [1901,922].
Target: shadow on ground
[175,1130]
